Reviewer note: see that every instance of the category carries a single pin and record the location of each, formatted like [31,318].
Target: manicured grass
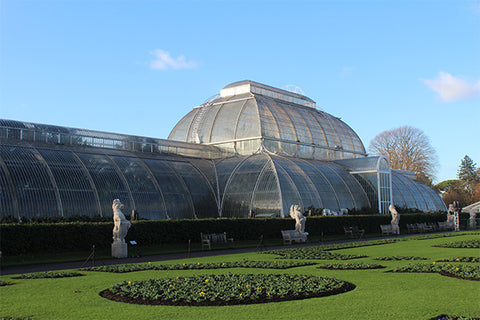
[378,294]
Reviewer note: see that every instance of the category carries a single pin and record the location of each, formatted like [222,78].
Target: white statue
[120,229]
[122,225]
[395,219]
[299,218]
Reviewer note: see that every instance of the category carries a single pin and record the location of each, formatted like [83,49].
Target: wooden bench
[386,229]
[293,235]
[210,239]
[354,231]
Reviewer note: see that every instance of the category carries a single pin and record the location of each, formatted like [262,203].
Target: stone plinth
[119,249]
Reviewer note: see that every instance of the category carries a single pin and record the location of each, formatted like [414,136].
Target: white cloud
[452,88]
[164,61]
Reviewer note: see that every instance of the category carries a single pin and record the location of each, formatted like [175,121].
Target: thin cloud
[452,88]
[164,61]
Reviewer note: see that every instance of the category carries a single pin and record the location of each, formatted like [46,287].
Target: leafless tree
[407,148]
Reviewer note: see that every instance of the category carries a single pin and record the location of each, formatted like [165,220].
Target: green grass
[378,294]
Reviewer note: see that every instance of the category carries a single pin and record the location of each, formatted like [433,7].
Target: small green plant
[226,289]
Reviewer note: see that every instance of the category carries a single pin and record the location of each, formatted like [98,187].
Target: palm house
[251,150]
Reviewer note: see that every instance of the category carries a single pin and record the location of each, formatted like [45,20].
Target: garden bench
[210,239]
[293,235]
[354,231]
[412,228]
[386,229]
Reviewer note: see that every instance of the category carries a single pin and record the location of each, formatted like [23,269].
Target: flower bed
[226,289]
[5,283]
[313,253]
[437,235]
[397,258]
[320,252]
[447,317]
[456,271]
[461,259]
[122,268]
[461,244]
[350,266]
[49,274]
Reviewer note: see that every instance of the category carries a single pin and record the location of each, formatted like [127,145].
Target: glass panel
[147,198]
[7,201]
[33,187]
[268,122]
[239,191]
[180,131]
[304,186]
[76,192]
[108,182]
[248,124]
[200,191]
[175,193]
[289,192]
[266,199]
[226,121]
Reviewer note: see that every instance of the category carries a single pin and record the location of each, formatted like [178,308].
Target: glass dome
[247,115]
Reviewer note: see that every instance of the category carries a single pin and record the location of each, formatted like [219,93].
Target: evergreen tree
[469,175]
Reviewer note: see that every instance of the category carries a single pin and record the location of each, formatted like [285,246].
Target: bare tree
[409,149]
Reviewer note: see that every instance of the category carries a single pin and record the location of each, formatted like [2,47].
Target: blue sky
[137,67]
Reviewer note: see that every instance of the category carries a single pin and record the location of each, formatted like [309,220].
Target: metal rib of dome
[248,115]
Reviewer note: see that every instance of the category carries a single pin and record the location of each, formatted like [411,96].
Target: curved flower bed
[49,274]
[461,244]
[350,266]
[313,253]
[461,259]
[320,252]
[398,258]
[226,289]
[122,268]
[456,271]
[5,283]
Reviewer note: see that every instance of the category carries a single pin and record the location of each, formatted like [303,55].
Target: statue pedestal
[119,249]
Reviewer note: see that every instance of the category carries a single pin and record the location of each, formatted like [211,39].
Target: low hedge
[17,239]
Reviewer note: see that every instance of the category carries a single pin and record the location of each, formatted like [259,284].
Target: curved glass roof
[413,194]
[36,181]
[284,122]
[268,183]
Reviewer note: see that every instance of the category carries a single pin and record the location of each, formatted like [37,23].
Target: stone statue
[120,229]
[456,212]
[299,218]
[395,219]
[473,222]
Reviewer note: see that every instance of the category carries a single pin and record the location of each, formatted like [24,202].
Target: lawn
[379,293]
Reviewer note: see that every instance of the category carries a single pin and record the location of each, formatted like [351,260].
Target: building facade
[251,149]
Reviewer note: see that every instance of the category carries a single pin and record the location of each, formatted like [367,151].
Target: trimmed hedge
[17,239]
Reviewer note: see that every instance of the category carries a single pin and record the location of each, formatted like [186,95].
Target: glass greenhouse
[252,149]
